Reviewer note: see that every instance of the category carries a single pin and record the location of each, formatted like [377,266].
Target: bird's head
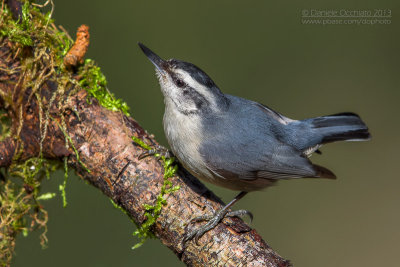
[185,86]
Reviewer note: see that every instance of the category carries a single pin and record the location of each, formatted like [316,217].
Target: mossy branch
[54,115]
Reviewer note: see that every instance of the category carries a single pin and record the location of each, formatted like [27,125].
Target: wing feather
[240,147]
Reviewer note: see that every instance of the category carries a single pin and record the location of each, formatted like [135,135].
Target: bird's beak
[156,60]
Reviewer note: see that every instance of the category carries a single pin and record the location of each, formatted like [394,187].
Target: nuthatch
[238,143]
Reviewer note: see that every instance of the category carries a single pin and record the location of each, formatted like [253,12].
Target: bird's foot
[213,221]
[158,151]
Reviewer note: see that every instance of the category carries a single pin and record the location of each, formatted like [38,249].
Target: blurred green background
[258,50]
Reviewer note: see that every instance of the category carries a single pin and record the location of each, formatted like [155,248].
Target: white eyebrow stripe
[200,88]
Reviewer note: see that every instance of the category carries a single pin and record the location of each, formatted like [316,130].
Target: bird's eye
[179,83]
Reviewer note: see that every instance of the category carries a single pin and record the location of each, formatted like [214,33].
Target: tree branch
[102,140]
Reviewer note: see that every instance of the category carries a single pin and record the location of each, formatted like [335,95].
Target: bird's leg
[158,150]
[214,219]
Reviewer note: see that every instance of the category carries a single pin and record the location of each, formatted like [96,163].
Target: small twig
[2,9]
[45,4]
[77,52]
[64,31]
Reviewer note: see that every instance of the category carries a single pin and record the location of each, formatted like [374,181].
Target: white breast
[184,136]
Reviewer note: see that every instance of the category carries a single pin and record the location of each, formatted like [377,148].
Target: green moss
[71,143]
[46,196]
[14,205]
[62,186]
[152,212]
[115,205]
[20,184]
[5,125]
[20,207]
[17,31]
[94,81]
[33,29]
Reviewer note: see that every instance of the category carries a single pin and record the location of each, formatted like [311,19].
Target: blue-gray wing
[250,145]
[252,161]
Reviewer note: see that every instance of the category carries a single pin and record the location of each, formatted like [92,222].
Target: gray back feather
[247,148]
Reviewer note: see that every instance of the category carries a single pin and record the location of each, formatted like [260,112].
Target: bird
[238,143]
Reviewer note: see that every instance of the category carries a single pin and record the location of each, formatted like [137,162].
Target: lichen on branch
[152,212]
[39,47]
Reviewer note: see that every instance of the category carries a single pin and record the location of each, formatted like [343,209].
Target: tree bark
[103,142]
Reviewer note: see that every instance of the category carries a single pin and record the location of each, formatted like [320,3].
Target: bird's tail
[339,127]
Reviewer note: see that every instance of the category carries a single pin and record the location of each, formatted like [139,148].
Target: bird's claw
[160,151]
[240,213]
[213,221]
